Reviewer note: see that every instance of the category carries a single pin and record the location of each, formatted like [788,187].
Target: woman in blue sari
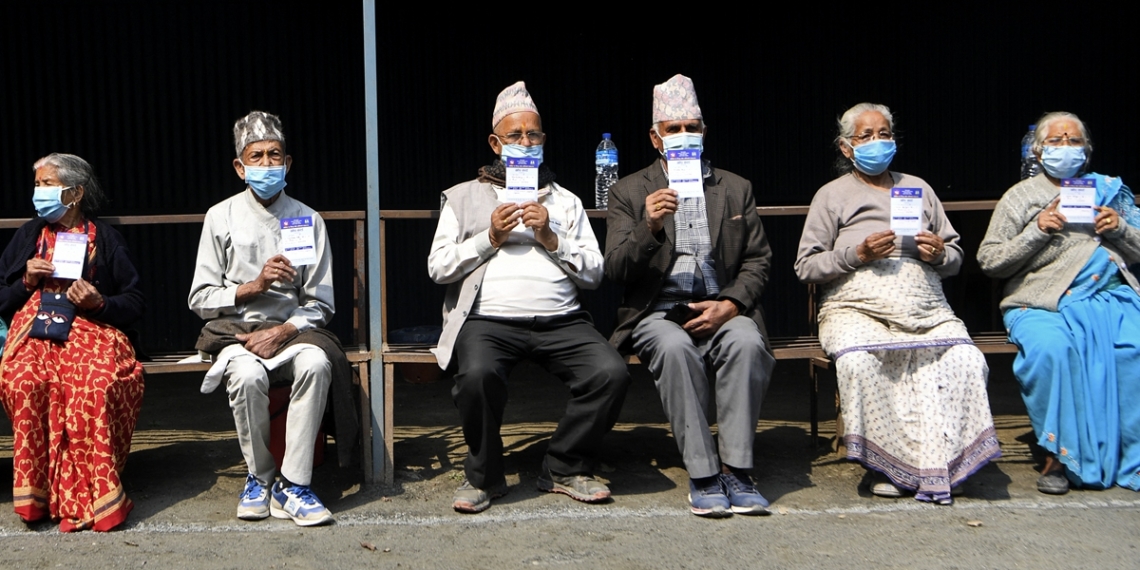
[1072,309]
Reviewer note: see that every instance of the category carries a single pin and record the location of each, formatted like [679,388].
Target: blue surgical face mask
[682,141]
[1063,161]
[49,202]
[874,157]
[265,181]
[520,151]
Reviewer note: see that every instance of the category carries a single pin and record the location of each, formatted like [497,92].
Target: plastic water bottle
[606,165]
[1029,163]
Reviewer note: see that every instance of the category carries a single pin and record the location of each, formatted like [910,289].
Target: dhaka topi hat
[675,100]
[255,127]
[513,99]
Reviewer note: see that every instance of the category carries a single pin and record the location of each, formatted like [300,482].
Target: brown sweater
[845,211]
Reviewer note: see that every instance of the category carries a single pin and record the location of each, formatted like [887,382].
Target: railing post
[381,470]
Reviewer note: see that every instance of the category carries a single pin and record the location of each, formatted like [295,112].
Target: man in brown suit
[693,270]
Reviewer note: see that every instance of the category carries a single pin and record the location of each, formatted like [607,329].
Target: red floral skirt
[73,408]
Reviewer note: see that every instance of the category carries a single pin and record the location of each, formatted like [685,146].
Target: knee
[740,335]
[246,375]
[740,340]
[970,358]
[612,373]
[22,387]
[312,366]
[669,348]
[854,363]
[479,379]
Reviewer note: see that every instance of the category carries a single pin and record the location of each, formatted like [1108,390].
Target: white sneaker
[298,503]
[254,502]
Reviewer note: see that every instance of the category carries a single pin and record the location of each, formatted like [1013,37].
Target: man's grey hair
[255,127]
[846,124]
[1043,127]
[73,171]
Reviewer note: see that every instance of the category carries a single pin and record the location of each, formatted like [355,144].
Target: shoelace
[739,485]
[250,485]
[304,494]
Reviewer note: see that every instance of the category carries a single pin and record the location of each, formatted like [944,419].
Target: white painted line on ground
[501,515]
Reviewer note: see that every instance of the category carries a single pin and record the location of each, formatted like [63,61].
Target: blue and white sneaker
[745,499]
[707,498]
[254,503]
[298,503]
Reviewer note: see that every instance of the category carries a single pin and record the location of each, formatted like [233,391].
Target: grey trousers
[737,367]
[247,383]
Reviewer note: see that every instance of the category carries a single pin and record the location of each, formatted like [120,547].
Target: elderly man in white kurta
[262,303]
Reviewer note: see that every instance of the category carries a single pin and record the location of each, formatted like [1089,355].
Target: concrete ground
[185,473]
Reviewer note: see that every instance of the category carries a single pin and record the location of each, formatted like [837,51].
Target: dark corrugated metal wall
[148,92]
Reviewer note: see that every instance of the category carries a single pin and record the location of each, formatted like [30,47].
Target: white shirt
[522,278]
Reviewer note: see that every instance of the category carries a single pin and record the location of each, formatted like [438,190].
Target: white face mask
[681,141]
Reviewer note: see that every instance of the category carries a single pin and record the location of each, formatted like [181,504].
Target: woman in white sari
[912,385]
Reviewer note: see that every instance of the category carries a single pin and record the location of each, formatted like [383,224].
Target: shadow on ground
[186,468]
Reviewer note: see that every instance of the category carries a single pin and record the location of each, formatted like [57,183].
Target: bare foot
[1051,465]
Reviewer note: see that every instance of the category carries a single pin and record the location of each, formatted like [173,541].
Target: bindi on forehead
[1065,127]
[47,173]
[520,122]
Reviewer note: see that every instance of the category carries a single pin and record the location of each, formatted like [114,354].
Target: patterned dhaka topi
[513,99]
[675,100]
[256,127]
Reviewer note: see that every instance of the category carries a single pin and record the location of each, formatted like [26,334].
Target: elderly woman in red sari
[69,379]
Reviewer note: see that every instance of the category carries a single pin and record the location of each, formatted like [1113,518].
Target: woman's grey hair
[74,171]
[847,130]
[1043,127]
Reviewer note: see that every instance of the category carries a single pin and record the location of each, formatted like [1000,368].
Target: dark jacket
[635,257]
[113,275]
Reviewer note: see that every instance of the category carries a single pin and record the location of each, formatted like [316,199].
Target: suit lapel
[714,206]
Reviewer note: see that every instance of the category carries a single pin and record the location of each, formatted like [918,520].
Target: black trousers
[569,347]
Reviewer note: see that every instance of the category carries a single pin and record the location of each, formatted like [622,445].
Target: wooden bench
[358,354]
[783,348]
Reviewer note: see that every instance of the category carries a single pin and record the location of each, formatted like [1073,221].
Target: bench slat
[168,362]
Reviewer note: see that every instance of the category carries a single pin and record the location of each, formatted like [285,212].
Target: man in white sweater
[513,266]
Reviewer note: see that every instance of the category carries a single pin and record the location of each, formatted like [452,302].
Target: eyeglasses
[535,137]
[1065,141]
[868,137]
